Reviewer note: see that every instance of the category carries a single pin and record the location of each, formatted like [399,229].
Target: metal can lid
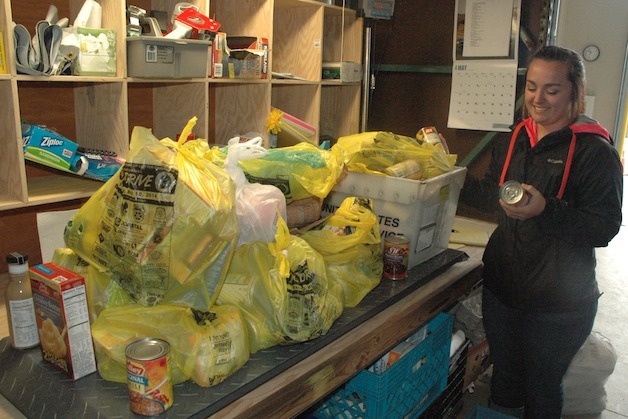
[511,192]
[147,349]
[396,239]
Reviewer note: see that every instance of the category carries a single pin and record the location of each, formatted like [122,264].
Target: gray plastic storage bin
[153,57]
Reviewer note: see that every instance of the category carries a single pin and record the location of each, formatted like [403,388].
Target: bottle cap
[18,263]
[17,258]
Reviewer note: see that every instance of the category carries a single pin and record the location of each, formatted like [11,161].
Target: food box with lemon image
[60,299]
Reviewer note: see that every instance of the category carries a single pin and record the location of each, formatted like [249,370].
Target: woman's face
[548,95]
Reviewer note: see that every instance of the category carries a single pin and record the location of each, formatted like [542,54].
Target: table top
[43,391]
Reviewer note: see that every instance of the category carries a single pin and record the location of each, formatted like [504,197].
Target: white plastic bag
[257,206]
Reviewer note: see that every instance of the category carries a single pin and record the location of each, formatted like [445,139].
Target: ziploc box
[239,57]
[62,315]
[155,57]
[421,210]
[46,147]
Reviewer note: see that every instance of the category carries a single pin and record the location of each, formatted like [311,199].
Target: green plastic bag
[299,171]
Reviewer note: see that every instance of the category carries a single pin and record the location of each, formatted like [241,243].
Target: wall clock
[591,52]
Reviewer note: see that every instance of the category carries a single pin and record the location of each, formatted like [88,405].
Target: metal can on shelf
[396,255]
[512,193]
[149,376]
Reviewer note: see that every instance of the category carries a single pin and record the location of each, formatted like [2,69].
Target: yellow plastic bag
[374,151]
[206,347]
[102,291]
[256,283]
[164,227]
[299,171]
[282,290]
[350,244]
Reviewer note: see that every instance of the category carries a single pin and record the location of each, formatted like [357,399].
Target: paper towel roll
[457,339]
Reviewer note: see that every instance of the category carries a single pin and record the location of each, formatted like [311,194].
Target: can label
[149,376]
[512,193]
[429,135]
[396,254]
[409,169]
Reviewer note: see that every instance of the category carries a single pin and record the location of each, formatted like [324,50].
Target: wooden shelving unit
[100,112]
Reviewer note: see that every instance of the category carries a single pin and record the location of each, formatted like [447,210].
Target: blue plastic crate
[405,389]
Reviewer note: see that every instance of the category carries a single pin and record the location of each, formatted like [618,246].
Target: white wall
[605,24]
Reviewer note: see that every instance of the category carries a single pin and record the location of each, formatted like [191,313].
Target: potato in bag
[164,226]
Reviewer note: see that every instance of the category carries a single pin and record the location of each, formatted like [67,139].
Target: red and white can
[149,376]
[396,254]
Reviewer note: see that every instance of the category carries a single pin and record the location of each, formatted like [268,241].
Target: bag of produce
[282,290]
[164,226]
[374,151]
[350,244]
[206,347]
[299,171]
[258,206]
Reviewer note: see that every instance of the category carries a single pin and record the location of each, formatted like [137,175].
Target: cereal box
[60,299]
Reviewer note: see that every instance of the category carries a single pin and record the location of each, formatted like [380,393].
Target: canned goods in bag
[149,376]
[409,169]
[512,193]
[396,254]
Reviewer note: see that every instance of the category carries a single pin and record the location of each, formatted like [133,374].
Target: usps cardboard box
[421,210]
[239,57]
[62,315]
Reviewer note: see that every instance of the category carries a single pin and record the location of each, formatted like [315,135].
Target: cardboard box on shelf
[239,57]
[478,360]
[97,52]
[60,298]
[345,71]
[421,210]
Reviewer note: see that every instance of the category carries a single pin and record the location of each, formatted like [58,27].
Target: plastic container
[153,57]
[407,387]
[421,210]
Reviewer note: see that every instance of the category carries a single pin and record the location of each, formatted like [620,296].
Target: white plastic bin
[421,210]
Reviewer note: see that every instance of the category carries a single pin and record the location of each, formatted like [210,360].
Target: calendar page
[483,95]
[484,72]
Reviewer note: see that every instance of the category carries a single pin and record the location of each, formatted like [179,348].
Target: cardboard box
[421,210]
[154,57]
[345,71]
[47,147]
[97,53]
[239,57]
[62,315]
[478,360]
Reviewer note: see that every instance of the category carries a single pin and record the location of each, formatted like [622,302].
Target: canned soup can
[512,193]
[396,254]
[149,376]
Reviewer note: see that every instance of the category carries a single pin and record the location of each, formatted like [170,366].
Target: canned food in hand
[512,193]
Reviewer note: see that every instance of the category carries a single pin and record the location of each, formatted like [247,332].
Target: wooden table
[305,383]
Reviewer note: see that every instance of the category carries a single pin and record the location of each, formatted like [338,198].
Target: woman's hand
[533,207]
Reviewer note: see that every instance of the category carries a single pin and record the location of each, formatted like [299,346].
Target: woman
[540,294]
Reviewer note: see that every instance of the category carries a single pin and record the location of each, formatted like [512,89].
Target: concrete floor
[611,320]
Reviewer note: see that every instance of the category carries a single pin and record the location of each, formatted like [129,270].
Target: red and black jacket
[547,263]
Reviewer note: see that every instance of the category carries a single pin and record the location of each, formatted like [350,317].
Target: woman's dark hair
[575,74]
